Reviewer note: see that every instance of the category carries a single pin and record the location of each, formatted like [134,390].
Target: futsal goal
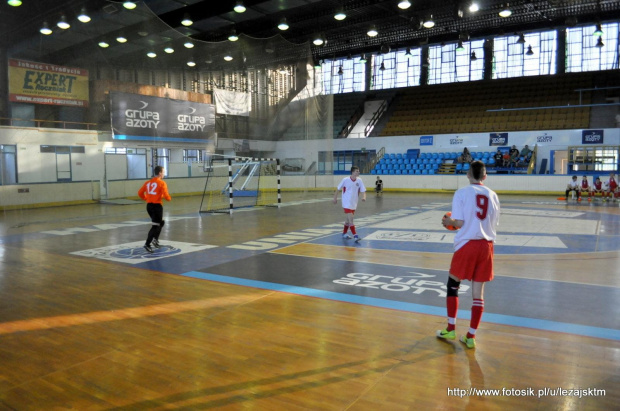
[237,182]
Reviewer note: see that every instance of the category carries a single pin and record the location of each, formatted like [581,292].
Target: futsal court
[271,309]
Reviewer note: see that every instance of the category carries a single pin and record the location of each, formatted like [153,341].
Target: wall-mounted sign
[41,83]
[139,117]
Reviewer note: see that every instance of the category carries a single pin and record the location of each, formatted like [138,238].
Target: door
[63,166]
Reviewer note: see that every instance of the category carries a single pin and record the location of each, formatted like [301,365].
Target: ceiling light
[186,20]
[428,22]
[521,39]
[83,17]
[121,39]
[340,15]
[599,31]
[189,45]
[382,67]
[62,23]
[372,31]
[151,54]
[529,51]
[191,63]
[474,7]
[404,4]
[169,50]
[363,58]
[239,7]
[45,29]
[104,44]
[228,57]
[129,5]
[460,47]
[283,24]
[233,36]
[472,56]
[14,3]
[600,43]
[505,11]
[318,40]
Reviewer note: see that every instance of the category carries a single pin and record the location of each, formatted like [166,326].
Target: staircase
[447,168]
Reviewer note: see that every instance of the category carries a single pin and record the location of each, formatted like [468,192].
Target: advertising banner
[139,117]
[592,136]
[498,139]
[41,83]
[426,140]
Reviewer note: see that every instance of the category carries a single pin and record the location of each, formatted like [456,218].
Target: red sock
[476,315]
[452,304]
[346,228]
[353,230]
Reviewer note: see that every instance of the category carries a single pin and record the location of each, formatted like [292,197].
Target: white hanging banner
[232,102]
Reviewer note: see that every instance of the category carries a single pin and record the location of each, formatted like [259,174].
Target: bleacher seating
[462,107]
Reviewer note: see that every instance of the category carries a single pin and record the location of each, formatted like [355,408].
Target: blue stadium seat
[459,167]
[408,166]
[398,172]
[418,172]
[373,171]
[465,166]
[431,171]
[391,172]
[424,171]
[411,171]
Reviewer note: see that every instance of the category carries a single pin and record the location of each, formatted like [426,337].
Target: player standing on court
[475,209]
[351,188]
[152,192]
[613,186]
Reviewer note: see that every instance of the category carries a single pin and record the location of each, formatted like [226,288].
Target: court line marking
[537,324]
[277,251]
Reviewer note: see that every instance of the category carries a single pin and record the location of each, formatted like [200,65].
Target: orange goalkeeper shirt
[153,190]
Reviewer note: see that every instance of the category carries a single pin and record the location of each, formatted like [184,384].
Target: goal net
[238,182]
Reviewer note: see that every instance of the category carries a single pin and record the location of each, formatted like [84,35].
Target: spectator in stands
[465,157]
[573,185]
[379,186]
[526,152]
[499,158]
[506,160]
[514,155]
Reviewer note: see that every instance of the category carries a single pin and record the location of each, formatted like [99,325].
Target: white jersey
[350,192]
[478,207]
[574,184]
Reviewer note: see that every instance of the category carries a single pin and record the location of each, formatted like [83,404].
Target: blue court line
[545,325]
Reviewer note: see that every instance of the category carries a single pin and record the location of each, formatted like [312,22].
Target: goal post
[237,182]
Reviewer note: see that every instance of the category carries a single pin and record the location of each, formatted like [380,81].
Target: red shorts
[473,261]
[349,211]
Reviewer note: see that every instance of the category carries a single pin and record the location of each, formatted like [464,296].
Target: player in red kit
[585,187]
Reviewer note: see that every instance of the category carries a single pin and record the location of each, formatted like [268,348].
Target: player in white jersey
[573,185]
[351,187]
[475,209]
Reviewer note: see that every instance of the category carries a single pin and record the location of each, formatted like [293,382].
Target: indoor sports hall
[271,308]
[242,292]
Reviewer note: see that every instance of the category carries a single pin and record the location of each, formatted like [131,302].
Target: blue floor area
[535,323]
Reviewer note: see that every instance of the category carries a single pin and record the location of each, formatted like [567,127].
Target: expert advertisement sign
[41,83]
[139,117]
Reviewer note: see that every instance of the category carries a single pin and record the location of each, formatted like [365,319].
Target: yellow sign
[41,83]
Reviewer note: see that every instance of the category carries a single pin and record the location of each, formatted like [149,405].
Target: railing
[373,162]
[346,130]
[375,118]
[72,125]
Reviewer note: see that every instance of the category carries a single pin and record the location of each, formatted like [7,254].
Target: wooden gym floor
[271,309]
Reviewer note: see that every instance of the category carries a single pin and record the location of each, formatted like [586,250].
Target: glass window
[344,75]
[585,53]
[514,59]
[399,68]
[447,65]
